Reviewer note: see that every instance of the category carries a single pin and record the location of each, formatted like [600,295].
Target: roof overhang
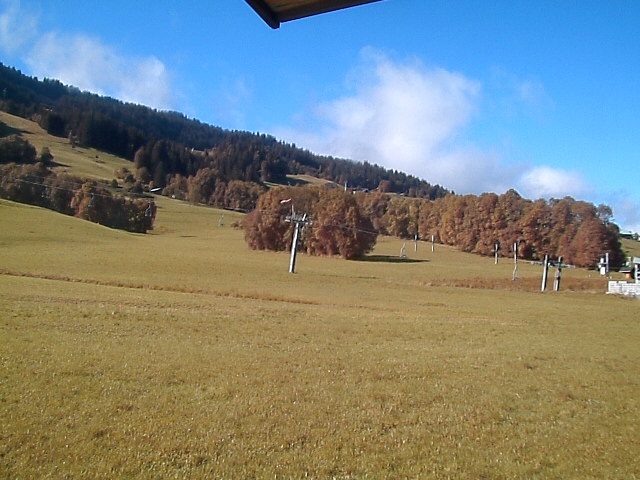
[274,12]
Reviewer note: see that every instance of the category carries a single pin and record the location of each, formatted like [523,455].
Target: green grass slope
[80,161]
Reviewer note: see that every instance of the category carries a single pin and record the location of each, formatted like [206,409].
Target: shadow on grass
[389,259]
[6,130]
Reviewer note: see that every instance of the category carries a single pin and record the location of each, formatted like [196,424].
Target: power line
[76,187]
[47,186]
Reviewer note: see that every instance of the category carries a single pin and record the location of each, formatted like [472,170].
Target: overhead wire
[47,186]
[80,185]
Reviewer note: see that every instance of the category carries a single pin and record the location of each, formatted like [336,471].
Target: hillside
[164,145]
[578,231]
[80,161]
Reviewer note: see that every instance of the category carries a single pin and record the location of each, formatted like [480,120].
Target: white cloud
[17,27]
[547,182]
[83,61]
[88,64]
[472,171]
[408,117]
[404,116]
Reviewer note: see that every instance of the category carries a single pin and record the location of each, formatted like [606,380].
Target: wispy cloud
[229,105]
[89,64]
[511,96]
[547,182]
[626,210]
[17,26]
[84,61]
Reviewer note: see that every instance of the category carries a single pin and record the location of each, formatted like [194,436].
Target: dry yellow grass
[182,354]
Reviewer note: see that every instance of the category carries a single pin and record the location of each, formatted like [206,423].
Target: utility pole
[496,248]
[300,221]
[558,277]
[515,261]
[545,272]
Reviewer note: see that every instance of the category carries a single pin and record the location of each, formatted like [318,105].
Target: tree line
[576,230]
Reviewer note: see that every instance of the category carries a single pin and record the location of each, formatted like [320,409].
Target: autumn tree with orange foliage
[337,226]
[575,230]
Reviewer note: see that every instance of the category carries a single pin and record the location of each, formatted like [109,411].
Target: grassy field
[182,354]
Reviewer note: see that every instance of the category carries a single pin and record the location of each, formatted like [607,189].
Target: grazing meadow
[183,354]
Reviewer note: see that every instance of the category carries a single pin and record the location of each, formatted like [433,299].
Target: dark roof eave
[273,18]
[265,12]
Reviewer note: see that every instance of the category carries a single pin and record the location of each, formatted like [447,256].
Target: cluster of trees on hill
[338,226]
[36,184]
[15,149]
[207,187]
[166,144]
[578,231]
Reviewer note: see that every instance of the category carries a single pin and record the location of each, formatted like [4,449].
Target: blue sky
[541,96]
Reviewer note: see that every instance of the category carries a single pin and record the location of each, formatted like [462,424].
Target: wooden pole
[433,243]
[515,261]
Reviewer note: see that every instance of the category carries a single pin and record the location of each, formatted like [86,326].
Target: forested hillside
[168,147]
